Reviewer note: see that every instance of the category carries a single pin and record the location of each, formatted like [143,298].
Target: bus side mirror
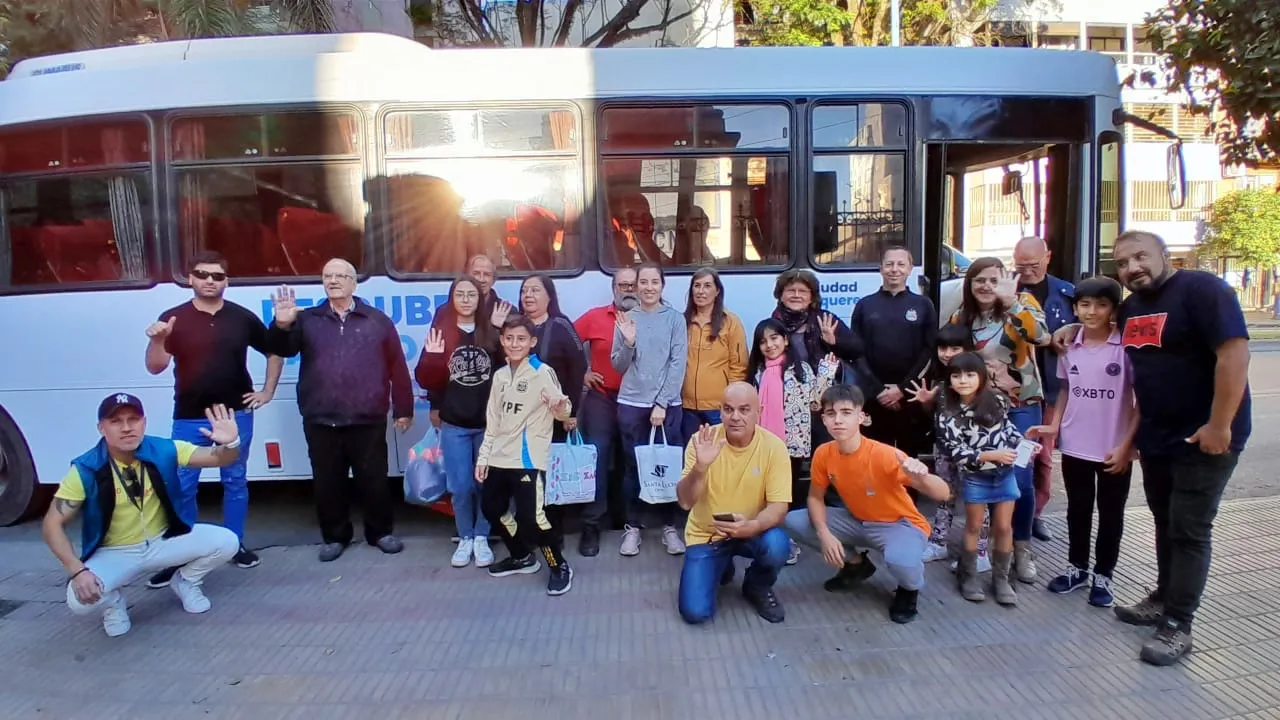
[1176,171]
[1011,183]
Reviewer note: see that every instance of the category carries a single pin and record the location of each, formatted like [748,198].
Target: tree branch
[561,35]
[624,17]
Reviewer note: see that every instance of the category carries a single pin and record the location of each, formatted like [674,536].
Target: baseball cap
[114,402]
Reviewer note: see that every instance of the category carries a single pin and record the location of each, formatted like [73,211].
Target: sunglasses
[206,275]
[132,486]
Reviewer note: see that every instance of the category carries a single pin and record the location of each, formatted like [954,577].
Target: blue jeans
[705,565]
[1024,509]
[694,419]
[235,487]
[461,447]
[634,428]
[598,421]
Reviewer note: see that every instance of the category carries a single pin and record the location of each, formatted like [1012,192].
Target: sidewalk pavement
[407,636]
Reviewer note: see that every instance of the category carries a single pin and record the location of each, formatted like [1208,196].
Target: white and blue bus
[116,165]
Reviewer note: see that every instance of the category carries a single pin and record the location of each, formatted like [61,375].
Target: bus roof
[373,67]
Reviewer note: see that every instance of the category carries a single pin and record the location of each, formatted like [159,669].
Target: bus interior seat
[311,238]
[81,253]
[251,249]
[30,263]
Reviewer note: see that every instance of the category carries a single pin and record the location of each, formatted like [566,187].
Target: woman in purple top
[1096,420]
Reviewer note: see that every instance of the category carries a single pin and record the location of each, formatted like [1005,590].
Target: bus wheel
[19,494]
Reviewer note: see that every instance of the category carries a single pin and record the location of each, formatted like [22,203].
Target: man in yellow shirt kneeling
[125,489]
[737,487]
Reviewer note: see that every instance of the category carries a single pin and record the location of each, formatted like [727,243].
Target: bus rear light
[274,461]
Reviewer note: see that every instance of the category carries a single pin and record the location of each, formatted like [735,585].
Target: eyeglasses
[336,276]
[206,275]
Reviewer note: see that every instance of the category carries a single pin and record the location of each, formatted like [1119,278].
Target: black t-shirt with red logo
[1171,336]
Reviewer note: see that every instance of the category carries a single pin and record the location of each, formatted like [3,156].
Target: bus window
[699,185]
[77,203]
[503,182]
[277,194]
[859,182]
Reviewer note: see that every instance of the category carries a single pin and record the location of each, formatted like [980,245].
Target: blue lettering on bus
[834,288]
[411,310]
[840,301]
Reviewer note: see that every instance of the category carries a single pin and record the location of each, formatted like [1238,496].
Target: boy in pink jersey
[1096,419]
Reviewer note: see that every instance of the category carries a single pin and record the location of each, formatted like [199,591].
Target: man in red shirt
[598,416]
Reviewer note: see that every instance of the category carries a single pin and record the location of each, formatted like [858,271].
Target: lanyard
[135,490]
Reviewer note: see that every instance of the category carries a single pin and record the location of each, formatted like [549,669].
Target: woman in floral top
[1007,326]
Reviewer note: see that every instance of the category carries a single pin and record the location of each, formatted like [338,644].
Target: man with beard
[1185,335]
[599,413]
[207,339]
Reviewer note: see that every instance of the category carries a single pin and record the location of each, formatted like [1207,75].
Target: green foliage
[860,22]
[1235,46]
[1245,224]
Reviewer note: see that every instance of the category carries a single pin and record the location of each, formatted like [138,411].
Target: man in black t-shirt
[1186,337]
[208,339]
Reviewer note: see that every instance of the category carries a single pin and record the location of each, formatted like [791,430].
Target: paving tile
[409,637]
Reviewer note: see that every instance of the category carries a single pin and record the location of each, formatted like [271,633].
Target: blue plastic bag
[424,478]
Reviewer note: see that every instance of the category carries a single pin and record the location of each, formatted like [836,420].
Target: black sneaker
[1145,613]
[389,544]
[526,565]
[903,608]
[1171,641]
[162,578]
[246,558]
[589,541]
[561,580]
[766,604]
[850,576]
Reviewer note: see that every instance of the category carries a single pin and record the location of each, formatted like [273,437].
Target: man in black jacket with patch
[353,372]
[898,329]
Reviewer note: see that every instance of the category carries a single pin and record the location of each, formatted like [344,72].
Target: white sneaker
[671,538]
[192,597]
[115,615]
[793,556]
[630,541]
[462,556]
[484,554]
[934,551]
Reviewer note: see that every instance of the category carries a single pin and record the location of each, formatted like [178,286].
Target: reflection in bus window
[858,194]
[1109,212]
[93,226]
[450,195]
[686,208]
[722,211]
[266,217]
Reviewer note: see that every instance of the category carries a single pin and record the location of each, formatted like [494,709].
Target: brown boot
[967,577]
[1000,587]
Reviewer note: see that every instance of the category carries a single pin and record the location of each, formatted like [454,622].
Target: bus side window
[503,182]
[277,194]
[93,226]
[689,186]
[859,182]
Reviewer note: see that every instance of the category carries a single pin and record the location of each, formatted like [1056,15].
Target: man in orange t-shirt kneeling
[871,479]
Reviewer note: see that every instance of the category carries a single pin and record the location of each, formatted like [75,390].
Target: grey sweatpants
[901,543]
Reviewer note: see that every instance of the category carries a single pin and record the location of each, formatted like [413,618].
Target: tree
[860,22]
[560,23]
[1245,224]
[30,28]
[1234,46]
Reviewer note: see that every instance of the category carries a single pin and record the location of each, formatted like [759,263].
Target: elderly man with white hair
[353,373]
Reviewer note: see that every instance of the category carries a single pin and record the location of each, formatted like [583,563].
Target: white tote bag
[571,478]
[659,468]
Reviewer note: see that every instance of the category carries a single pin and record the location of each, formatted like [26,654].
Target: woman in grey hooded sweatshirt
[650,346]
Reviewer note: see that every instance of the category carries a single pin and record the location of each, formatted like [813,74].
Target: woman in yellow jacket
[717,351]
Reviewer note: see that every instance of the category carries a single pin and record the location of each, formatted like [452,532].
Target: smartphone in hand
[723,517]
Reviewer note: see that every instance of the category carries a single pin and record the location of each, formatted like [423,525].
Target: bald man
[736,486]
[1031,258]
[353,373]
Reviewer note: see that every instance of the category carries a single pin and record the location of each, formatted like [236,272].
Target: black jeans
[907,429]
[1183,492]
[1085,481]
[528,527]
[362,450]
[598,422]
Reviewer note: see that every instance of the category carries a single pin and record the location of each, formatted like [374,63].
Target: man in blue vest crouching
[124,489]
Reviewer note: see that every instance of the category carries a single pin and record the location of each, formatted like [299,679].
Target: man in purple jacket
[353,372]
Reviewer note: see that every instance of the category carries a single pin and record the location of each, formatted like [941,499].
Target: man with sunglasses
[208,339]
[125,488]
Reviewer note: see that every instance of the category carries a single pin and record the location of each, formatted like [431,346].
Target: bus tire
[20,494]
